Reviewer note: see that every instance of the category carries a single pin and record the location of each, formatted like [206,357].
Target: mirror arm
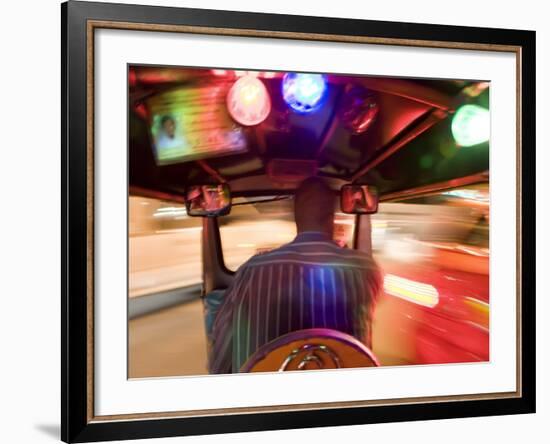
[363,234]
[214,273]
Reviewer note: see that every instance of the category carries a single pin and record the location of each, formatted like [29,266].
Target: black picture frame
[77,424]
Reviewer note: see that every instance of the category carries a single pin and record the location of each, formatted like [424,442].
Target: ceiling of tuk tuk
[408,145]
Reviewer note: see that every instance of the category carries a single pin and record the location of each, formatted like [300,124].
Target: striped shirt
[309,283]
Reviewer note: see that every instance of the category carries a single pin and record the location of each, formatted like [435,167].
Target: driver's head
[314,206]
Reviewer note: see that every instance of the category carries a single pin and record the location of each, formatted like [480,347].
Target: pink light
[219,72]
[241,73]
[248,101]
[268,74]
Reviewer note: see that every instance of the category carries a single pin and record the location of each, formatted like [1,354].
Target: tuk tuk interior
[407,152]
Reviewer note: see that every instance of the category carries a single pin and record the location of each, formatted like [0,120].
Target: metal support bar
[433,118]
[437,187]
[403,88]
[211,171]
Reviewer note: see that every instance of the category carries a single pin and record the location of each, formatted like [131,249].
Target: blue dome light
[304,92]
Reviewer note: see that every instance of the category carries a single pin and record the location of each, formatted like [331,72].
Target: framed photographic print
[275,221]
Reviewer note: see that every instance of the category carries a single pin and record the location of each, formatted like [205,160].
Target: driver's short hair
[313,202]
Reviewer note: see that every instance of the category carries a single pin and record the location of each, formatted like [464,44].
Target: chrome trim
[310,356]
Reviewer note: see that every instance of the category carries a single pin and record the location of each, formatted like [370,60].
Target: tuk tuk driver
[310,282]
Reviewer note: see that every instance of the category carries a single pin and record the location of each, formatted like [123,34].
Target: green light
[471,125]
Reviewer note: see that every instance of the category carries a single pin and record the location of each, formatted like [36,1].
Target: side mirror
[359,199]
[208,200]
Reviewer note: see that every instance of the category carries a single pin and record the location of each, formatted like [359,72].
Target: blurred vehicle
[436,288]
[430,233]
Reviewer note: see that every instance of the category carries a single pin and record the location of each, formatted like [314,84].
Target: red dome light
[358,110]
